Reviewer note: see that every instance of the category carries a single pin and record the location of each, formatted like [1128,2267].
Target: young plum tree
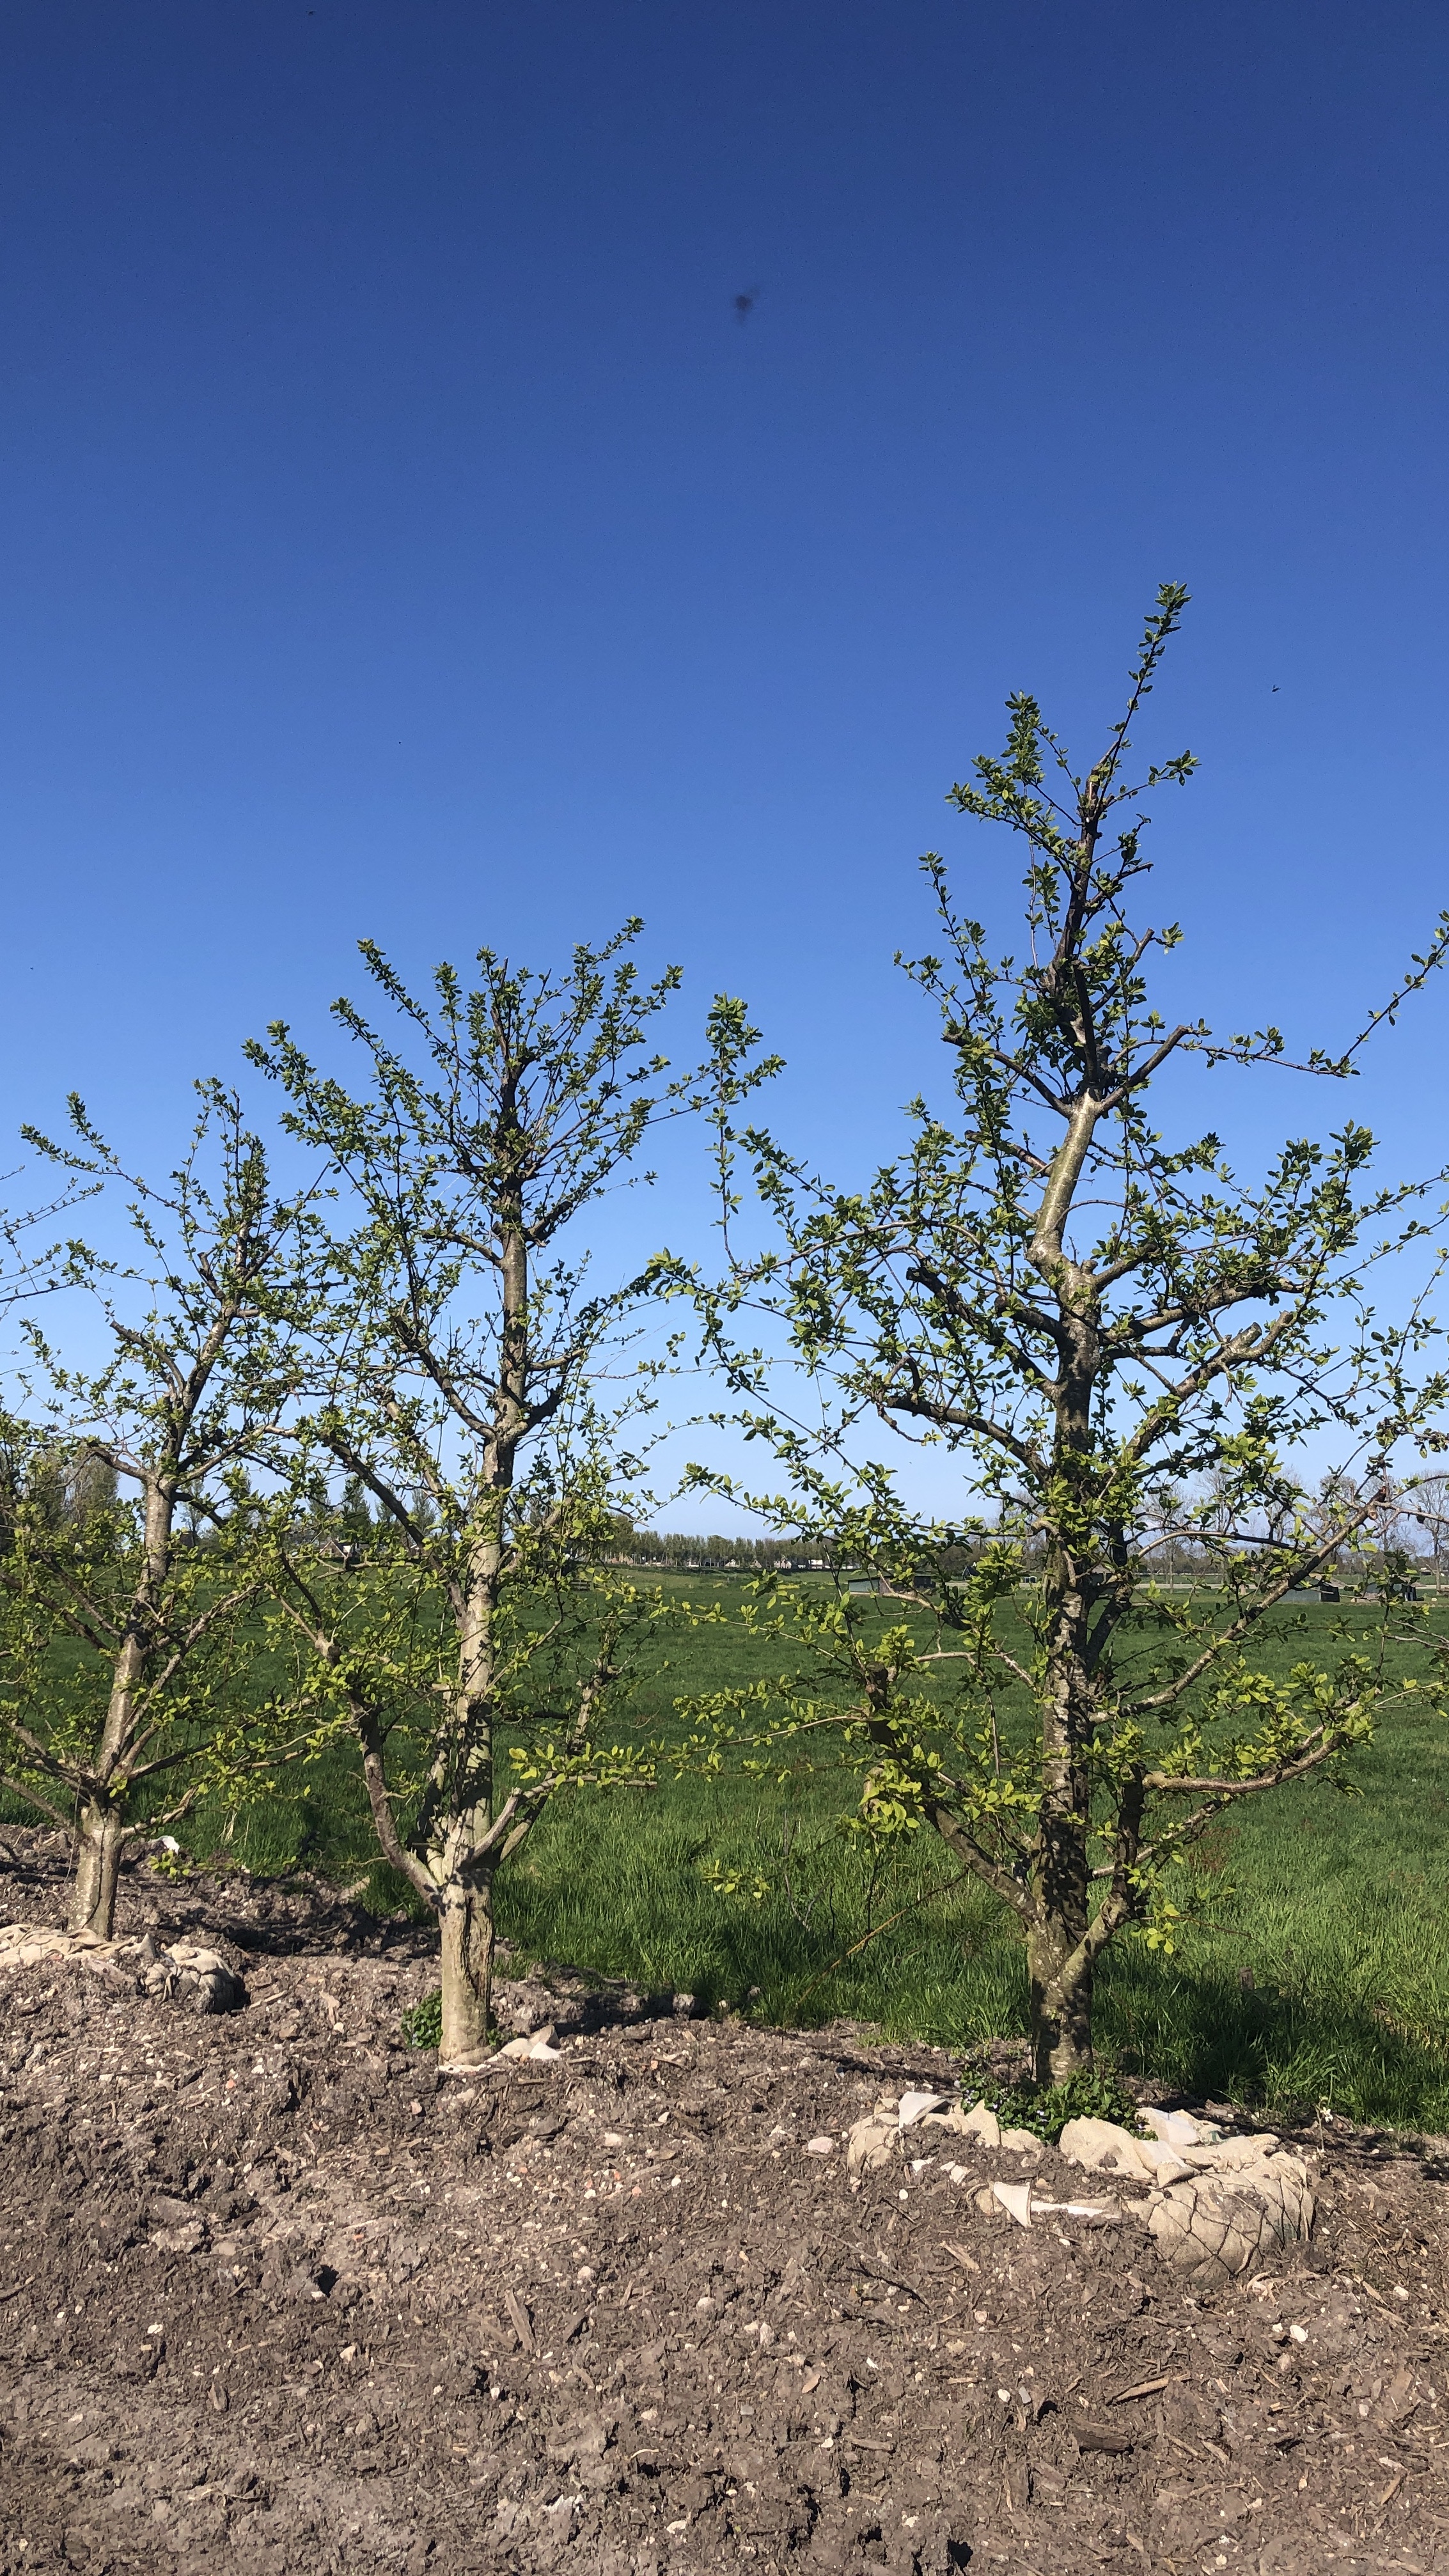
[461,1382]
[1126,1348]
[125,1682]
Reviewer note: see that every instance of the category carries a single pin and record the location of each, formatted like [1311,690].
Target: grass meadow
[1314,1973]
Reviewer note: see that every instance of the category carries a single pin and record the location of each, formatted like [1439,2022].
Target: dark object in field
[1329,1592]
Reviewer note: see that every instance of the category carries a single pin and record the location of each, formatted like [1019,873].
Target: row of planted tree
[360,1444]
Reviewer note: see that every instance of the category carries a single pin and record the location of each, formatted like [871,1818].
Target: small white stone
[1103,2147]
[912,2106]
[870,2145]
[982,2123]
[1015,2198]
[1165,2162]
[1179,2128]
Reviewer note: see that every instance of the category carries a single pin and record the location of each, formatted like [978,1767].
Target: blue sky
[404,537]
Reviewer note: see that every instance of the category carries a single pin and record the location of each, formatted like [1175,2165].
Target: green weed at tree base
[1097,2094]
[422,2024]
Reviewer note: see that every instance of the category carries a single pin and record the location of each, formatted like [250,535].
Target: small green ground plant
[422,2023]
[1093,2093]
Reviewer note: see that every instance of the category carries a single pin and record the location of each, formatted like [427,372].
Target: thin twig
[943,1890]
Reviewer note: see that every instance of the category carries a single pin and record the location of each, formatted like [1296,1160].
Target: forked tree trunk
[467,1943]
[99,1843]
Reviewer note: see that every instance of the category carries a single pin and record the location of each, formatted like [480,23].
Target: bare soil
[269,2284]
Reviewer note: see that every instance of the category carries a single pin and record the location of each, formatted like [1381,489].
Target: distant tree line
[680,1552]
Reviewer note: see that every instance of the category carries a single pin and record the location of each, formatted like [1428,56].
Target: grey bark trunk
[466,1913]
[99,1843]
[103,1828]
[1061,2007]
[467,1945]
[1061,1996]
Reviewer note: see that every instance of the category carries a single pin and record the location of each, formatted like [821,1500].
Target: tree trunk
[463,1752]
[1061,2005]
[466,1926]
[99,1844]
[1061,1993]
[103,1819]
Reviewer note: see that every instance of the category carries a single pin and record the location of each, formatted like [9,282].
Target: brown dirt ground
[268,2281]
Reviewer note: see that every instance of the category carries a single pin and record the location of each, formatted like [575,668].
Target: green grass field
[1315,1974]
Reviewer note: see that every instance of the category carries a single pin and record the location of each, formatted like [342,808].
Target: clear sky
[404,535]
